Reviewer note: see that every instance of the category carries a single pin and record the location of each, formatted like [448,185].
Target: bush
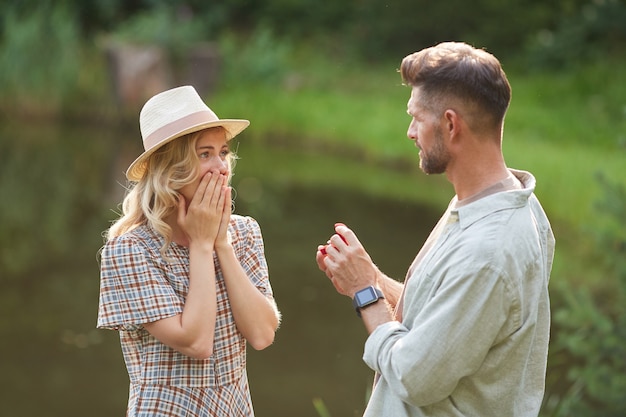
[594,31]
[592,334]
[39,57]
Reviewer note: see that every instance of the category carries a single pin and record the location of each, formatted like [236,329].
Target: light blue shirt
[473,340]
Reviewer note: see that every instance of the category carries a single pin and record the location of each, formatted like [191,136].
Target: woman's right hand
[200,220]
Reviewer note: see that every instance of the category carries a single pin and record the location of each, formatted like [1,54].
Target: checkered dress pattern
[138,286]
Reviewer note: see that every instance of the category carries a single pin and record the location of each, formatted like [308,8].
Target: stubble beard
[437,159]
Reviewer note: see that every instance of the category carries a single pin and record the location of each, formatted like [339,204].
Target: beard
[436,160]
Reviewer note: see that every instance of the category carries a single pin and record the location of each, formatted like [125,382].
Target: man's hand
[346,263]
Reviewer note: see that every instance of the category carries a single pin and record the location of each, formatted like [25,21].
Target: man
[467,333]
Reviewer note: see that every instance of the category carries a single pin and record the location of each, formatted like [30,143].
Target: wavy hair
[154,197]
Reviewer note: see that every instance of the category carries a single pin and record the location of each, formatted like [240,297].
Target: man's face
[426,131]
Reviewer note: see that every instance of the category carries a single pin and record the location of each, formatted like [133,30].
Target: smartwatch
[366,296]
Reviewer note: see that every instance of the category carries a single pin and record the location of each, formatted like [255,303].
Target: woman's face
[212,151]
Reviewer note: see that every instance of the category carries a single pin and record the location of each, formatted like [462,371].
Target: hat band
[177,126]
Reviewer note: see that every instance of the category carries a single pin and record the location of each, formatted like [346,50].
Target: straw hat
[172,114]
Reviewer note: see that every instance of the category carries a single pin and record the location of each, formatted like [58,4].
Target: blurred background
[327,143]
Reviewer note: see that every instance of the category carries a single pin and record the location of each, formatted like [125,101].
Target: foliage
[399,27]
[174,29]
[375,29]
[260,58]
[43,75]
[592,332]
[596,29]
[39,75]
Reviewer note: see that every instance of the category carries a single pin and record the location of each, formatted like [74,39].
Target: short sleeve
[134,288]
[251,253]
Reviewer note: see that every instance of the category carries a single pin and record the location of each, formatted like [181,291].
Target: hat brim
[234,127]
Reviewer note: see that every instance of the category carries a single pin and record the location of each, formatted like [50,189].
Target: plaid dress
[138,286]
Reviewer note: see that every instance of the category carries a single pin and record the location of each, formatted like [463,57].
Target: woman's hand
[222,240]
[201,219]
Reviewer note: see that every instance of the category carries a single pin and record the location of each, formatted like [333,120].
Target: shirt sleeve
[251,254]
[134,288]
[424,360]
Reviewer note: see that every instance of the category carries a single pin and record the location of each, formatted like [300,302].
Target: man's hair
[455,70]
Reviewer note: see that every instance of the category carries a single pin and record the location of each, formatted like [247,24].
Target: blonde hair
[155,196]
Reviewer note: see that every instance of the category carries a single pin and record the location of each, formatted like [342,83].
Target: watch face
[365,296]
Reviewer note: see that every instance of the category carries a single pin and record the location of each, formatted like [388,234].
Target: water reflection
[58,187]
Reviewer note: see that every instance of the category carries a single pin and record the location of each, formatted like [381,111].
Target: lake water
[59,190]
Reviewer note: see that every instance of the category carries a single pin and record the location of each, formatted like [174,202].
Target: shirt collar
[472,212]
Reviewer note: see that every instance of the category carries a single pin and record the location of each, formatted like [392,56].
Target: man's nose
[411,132]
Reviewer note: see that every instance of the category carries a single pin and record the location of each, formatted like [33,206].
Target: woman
[183,281]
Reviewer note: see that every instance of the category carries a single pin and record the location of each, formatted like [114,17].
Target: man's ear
[453,124]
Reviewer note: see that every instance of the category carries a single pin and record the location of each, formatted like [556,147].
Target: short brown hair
[458,70]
